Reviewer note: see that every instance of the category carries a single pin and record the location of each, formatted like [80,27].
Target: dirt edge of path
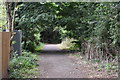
[91,68]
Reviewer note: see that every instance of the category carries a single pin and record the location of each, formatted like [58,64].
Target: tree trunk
[13,18]
[9,17]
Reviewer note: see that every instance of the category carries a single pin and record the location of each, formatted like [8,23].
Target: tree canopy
[94,24]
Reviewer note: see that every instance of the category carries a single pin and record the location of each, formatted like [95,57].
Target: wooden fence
[4,53]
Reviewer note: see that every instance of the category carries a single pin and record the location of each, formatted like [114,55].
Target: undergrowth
[39,47]
[67,44]
[109,67]
[24,66]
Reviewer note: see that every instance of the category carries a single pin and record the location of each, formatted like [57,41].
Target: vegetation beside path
[67,44]
[24,66]
[39,47]
[94,68]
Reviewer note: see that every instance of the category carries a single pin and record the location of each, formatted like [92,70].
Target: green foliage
[23,66]
[2,17]
[94,26]
[34,18]
[67,44]
[110,67]
[39,47]
[94,23]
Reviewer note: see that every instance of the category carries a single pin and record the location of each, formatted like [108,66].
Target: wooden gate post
[5,52]
[0,56]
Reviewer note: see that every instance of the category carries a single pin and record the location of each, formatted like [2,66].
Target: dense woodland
[95,26]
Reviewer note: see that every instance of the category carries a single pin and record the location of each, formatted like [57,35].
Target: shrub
[23,66]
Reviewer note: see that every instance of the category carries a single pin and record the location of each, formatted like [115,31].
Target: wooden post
[5,48]
[0,56]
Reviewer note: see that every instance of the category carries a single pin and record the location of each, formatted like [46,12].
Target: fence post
[0,55]
[4,53]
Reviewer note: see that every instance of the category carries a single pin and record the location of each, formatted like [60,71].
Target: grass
[24,66]
[67,44]
[39,47]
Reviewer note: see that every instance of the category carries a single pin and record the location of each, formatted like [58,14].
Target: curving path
[57,65]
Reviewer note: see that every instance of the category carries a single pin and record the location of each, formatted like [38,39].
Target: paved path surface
[50,47]
[58,65]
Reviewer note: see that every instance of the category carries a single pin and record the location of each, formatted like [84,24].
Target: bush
[23,66]
[67,43]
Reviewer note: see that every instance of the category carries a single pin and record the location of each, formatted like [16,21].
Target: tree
[92,24]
